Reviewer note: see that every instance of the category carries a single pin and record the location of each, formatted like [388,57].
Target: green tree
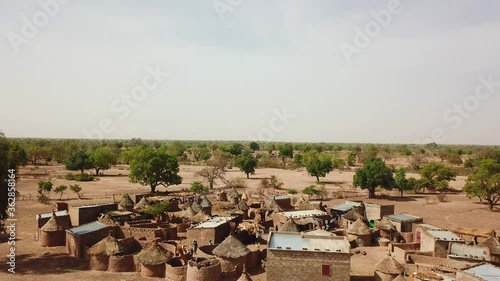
[5,165]
[216,167]
[102,159]
[79,161]
[374,174]
[247,163]
[200,153]
[76,189]
[17,155]
[484,182]
[254,146]
[153,168]
[436,176]
[199,188]
[60,190]
[351,159]
[454,159]
[470,163]
[156,209]
[128,155]
[317,165]
[311,190]
[235,149]
[44,187]
[286,151]
[402,183]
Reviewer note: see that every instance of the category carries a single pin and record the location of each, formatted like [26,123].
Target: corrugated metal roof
[303,213]
[343,207]
[470,252]
[86,228]
[299,242]
[278,197]
[444,235]
[485,271]
[403,217]
[214,222]
[48,215]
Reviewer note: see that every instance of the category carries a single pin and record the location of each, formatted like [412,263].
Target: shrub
[292,191]
[199,188]
[60,190]
[76,189]
[84,177]
[236,183]
[274,182]
[70,177]
[44,187]
[157,208]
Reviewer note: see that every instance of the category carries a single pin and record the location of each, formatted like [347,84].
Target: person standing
[195,246]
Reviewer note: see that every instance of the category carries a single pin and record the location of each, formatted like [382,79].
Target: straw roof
[52,224]
[353,215]
[126,202]
[108,246]
[185,206]
[389,265]
[107,220]
[244,277]
[233,193]
[273,205]
[385,224]
[142,204]
[154,255]
[196,206]
[300,201]
[244,195]
[189,213]
[200,217]
[290,226]
[475,232]
[491,243]
[205,203]
[429,275]
[400,278]
[231,248]
[242,206]
[359,227]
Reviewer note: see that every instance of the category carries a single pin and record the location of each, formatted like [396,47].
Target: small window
[325,270]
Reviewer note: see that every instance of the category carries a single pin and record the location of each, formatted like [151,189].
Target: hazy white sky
[233,63]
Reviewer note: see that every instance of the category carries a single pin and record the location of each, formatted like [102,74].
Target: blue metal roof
[485,271]
[48,215]
[343,207]
[403,217]
[86,228]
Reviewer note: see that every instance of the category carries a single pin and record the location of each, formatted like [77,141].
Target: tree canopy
[436,176]
[374,174]
[247,163]
[102,159]
[317,165]
[216,167]
[79,161]
[484,182]
[402,183]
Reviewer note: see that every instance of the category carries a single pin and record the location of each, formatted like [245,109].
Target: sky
[302,71]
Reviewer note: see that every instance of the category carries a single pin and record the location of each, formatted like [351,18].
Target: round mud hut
[232,255]
[386,228]
[52,233]
[153,260]
[200,217]
[204,269]
[387,269]
[290,226]
[126,203]
[142,204]
[99,253]
[189,213]
[176,270]
[360,232]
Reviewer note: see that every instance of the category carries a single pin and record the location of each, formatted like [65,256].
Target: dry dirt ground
[42,264]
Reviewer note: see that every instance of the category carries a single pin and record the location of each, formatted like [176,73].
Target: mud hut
[350,217]
[142,204]
[189,213]
[387,269]
[244,276]
[386,228]
[100,253]
[204,269]
[186,205]
[126,203]
[53,233]
[124,261]
[206,205]
[176,270]
[360,232]
[299,202]
[290,226]
[200,217]
[234,196]
[222,196]
[232,254]
[153,260]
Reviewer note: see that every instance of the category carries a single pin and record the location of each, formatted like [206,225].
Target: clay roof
[52,224]
[290,226]
[154,255]
[231,248]
[389,265]
[359,227]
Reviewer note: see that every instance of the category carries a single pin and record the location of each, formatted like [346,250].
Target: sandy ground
[34,261]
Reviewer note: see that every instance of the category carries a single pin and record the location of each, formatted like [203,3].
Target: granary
[215,230]
[89,213]
[243,207]
[126,203]
[435,239]
[462,255]
[308,219]
[62,218]
[290,226]
[206,205]
[85,235]
[386,228]
[481,272]
[200,217]
[234,196]
[375,211]
[153,260]
[52,233]
[189,213]
[196,206]
[387,269]
[474,235]
[360,232]
[203,269]
[99,253]
[284,203]
[296,256]
[350,217]
[222,196]
[404,222]
[493,244]
[142,204]
[232,254]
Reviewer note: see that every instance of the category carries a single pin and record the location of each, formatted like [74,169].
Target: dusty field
[43,264]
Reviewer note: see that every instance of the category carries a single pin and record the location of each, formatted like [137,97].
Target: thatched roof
[232,193]
[107,220]
[429,275]
[185,206]
[485,233]
[52,224]
[385,224]
[491,243]
[300,201]
[142,204]
[290,226]
[231,248]
[320,232]
[353,215]
[244,277]
[272,205]
[400,278]
[154,255]
[359,227]
[189,213]
[200,217]
[205,203]
[242,206]
[389,265]
[196,206]
[126,202]
[108,246]
[244,195]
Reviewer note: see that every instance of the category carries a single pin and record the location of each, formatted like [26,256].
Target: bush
[158,208]
[292,191]
[236,183]
[69,177]
[76,189]
[274,182]
[44,187]
[199,188]
[60,190]
[84,177]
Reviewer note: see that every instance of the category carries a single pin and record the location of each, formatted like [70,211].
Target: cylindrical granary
[207,270]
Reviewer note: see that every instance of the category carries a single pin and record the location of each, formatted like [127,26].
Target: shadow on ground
[46,264]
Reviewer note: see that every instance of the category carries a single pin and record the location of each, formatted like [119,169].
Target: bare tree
[216,167]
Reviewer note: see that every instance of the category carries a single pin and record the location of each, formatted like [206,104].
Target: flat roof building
[215,229]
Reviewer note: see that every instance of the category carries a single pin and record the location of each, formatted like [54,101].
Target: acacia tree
[402,183]
[254,146]
[102,159]
[317,165]
[286,151]
[79,161]
[436,176]
[374,174]
[216,167]
[484,182]
[153,168]
[247,163]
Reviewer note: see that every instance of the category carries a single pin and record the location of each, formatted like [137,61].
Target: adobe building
[153,260]
[462,255]
[308,217]
[83,236]
[290,226]
[481,272]
[386,228]
[89,213]
[341,209]
[375,212]
[203,269]
[126,203]
[284,203]
[62,218]
[350,217]
[435,239]
[404,222]
[215,229]
[52,233]
[297,257]
[361,233]
[493,244]
[232,255]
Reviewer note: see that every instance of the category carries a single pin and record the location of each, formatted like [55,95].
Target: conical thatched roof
[300,201]
[232,193]
[400,278]
[200,217]
[242,206]
[320,232]
[244,196]
[126,202]
[353,215]
[107,220]
[389,265]
[244,277]
[359,227]
[196,206]
[205,203]
[185,206]
[385,224]
[189,213]
[272,205]
[142,204]
[290,226]
[108,246]
[52,224]
[491,243]
[231,248]
[154,255]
